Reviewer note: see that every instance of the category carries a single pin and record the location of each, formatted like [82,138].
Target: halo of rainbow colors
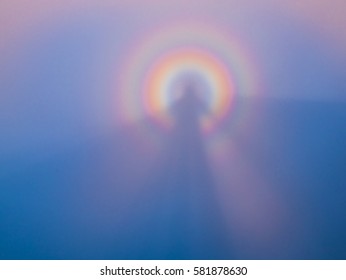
[165,53]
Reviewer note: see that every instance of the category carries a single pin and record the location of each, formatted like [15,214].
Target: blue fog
[74,187]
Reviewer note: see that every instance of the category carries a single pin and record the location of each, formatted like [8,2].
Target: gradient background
[77,181]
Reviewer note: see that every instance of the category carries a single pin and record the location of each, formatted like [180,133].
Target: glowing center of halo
[166,83]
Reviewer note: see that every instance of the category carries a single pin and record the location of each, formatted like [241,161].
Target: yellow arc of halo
[156,94]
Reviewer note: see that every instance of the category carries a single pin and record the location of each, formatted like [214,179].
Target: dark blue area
[86,203]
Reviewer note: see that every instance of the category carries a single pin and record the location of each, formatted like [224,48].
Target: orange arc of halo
[217,72]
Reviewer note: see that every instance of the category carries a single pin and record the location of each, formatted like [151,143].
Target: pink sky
[17,16]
